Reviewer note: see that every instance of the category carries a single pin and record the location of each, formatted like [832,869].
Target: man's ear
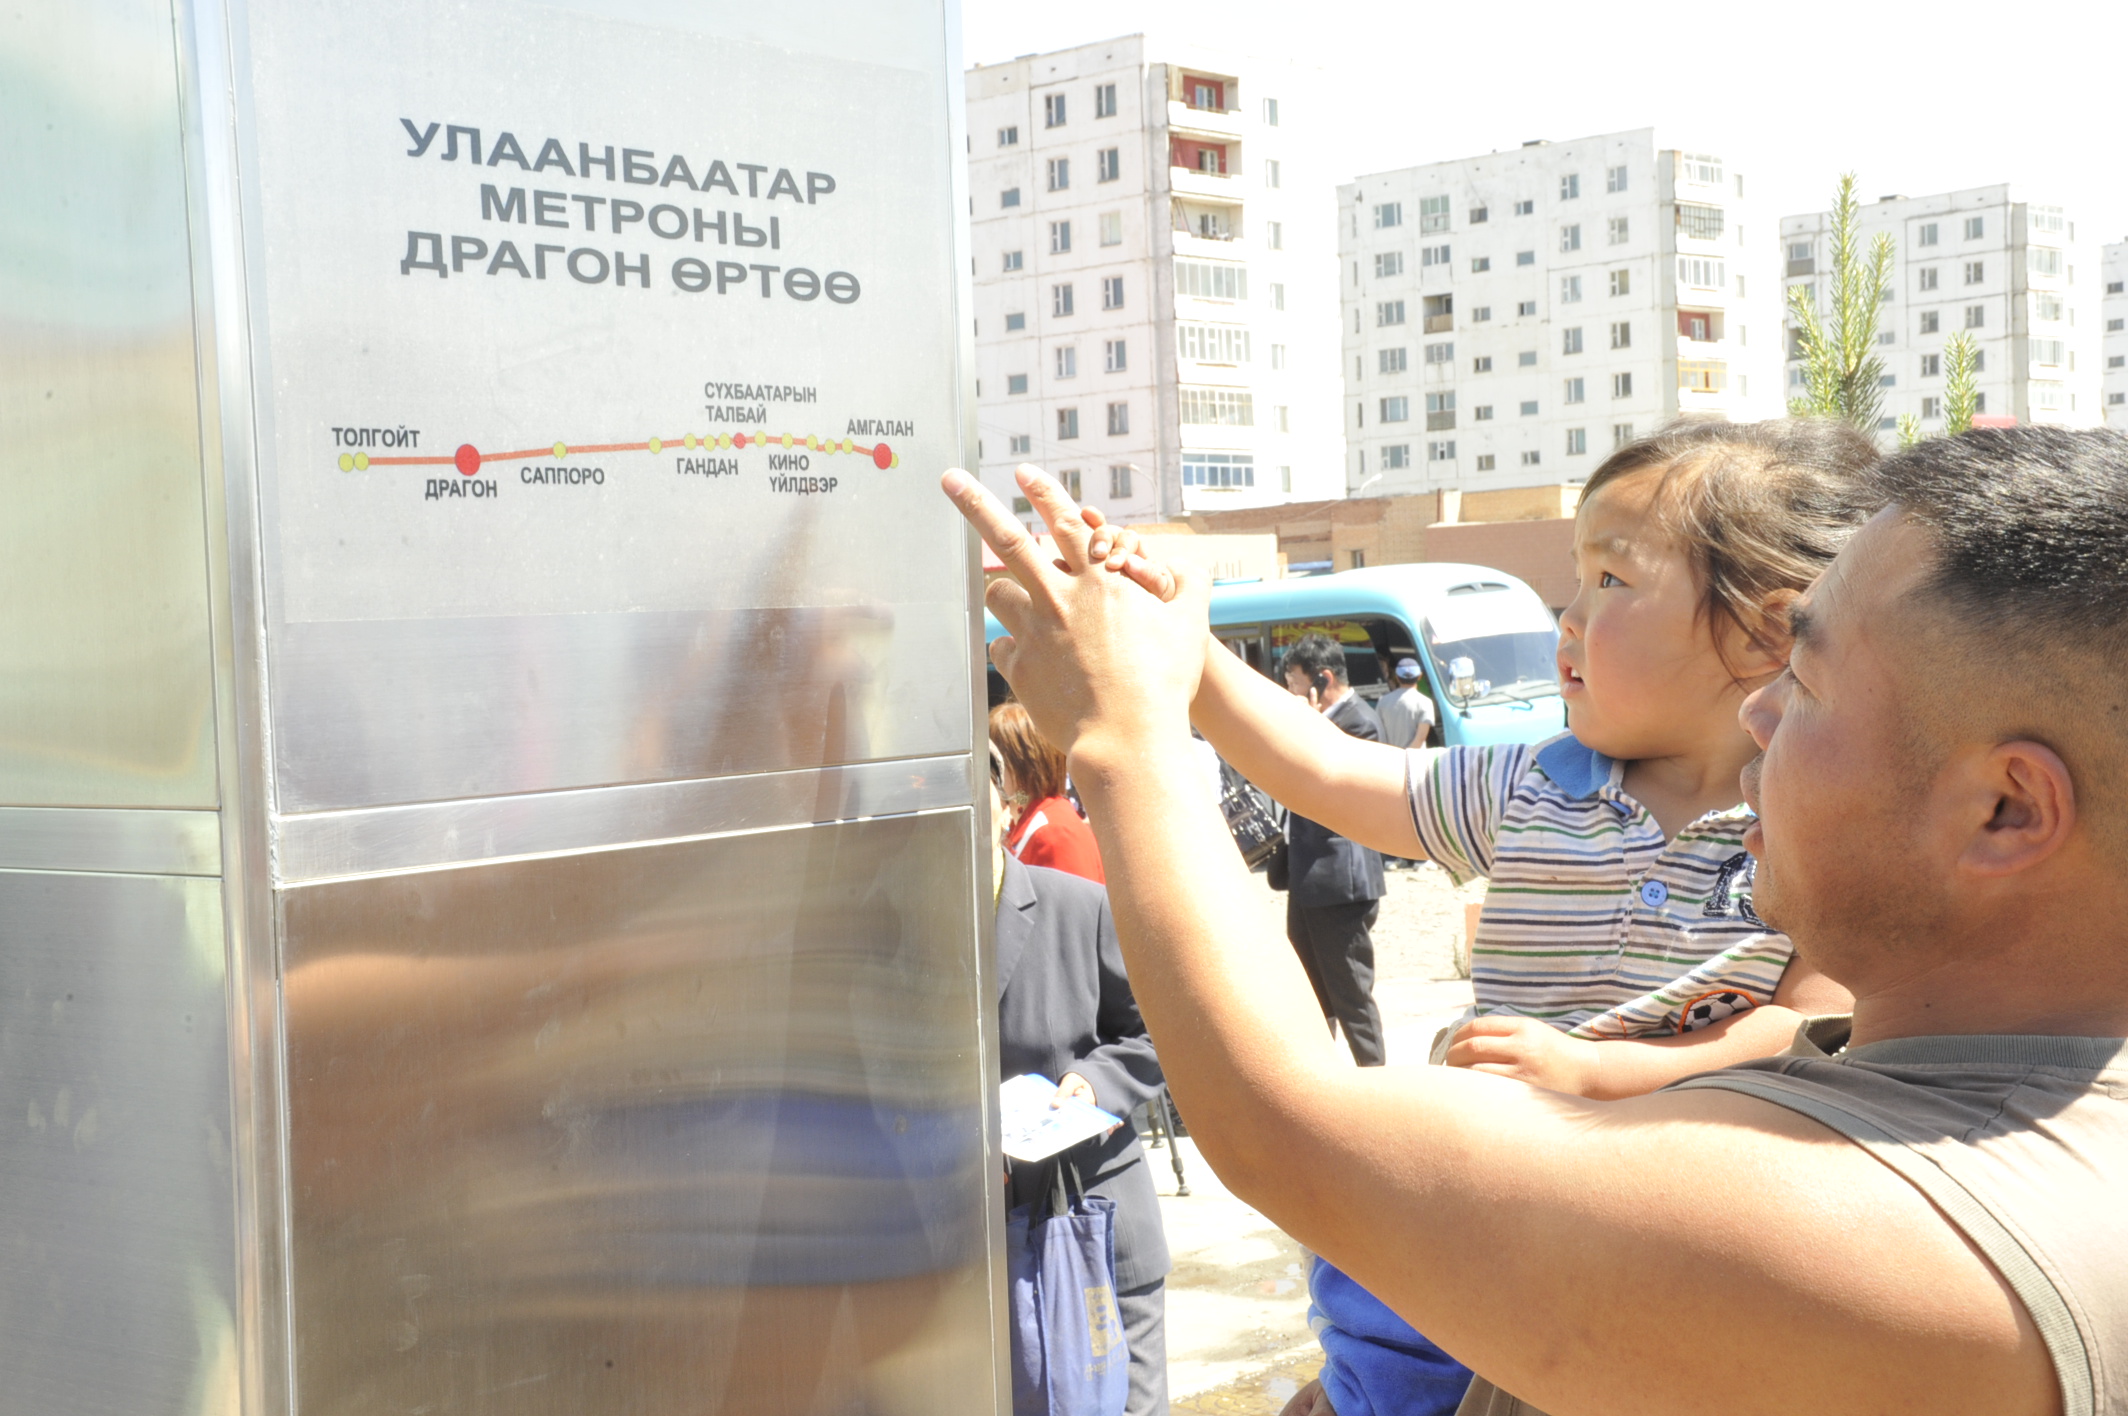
[2026,802]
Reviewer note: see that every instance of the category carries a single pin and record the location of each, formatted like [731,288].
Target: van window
[1367,641]
[1510,639]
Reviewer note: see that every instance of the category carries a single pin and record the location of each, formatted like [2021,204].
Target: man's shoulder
[1357,716]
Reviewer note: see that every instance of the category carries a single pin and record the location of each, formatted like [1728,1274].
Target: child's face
[1637,661]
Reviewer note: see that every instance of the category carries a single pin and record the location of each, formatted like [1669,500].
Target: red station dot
[467,459]
[882,457]
[738,440]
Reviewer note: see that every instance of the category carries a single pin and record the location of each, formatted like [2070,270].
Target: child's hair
[1758,507]
[1037,767]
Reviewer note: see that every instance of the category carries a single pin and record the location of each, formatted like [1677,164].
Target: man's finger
[1059,512]
[1151,576]
[999,530]
[1100,544]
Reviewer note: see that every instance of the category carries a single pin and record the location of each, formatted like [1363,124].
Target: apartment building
[1509,319]
[2113,334]
[1154,304]
[1986,261]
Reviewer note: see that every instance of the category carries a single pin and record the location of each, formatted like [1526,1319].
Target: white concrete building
[1983,260]
[2113,334]
[1154,299]
[1511,318]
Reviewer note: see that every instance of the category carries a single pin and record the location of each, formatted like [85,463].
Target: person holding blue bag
[1088,1219]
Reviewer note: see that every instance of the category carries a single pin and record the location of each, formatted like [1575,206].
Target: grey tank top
[2021,1141]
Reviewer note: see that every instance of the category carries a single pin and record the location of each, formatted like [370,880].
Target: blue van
[1485,642]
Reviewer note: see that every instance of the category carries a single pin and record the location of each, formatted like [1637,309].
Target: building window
[1433,256]
[1927,234]
[1014,260]
[1931,408]
[1704,169]
[1887,380]
[1389,214]
[1523,258]
[1270,172]
[1980,361]
[1527,359]
[1976,316]
[1529,407]
[1439,452]
[2046,307]
[1275,235]
[2048,351]
[1008,137]
[1108,164]
[1118,419]
[1478,216]
[1060,300]
[1010,197]
[1925,278]
[1015,321]
[1388,263]
[1576,391]
[1702,375]
[1212,343]
[1115,356]
[1483,364]
[1929,321]
[1975,228]
[1480,264]
[1532,459]
[1931,366]
[1218,469]
[2043,260]
[1278,296]
[1482,413]
[1390,361]
[1119,481]
[1614,179]
[1570,237]
[1975,272]
[1433,214]
[1278,356]
[1479,314]
[1059,237]
[1020,443]
[1621,282]
[1396,409]
[1067,361]
[1622,334]
[1270,112]
[1053,110]
[1440,411]
[1622,385]
[1059,174]
[1231,407]
[1388,312]
[1570,340]
[1577,441]
[1524,208]
[1485,462]
[1620,230]
[1111,228]
[1015,383]
[1067,424]
[1702,223]
[1525,309]
[1104,100]
[1440,353]
[1621,434]
[1069,477]
[1570,186]
[1112,292]
[1396,456]
[1701,273]
[1569,289]
[1216,280]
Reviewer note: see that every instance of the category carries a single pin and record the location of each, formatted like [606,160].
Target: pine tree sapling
[1961,395]
[1841,371]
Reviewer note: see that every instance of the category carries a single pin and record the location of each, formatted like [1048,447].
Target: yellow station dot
[812,441]
[561,449]
[361,462]
[724,440]
[690,439]
[848,446]
[897,460]
[786,439]
[656,446]
[347,462]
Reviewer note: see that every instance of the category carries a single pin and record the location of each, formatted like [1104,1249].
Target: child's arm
[1541,1055]
[1303,760]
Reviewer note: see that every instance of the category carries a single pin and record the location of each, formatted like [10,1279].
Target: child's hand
[1310,1400]
[1529,1051]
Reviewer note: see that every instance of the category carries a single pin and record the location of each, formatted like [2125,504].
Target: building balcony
[1217,186]
[1440,324]
[1806,265]
[1213,122]
[1702,376]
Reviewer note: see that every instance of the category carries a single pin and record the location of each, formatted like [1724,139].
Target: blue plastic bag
[1068,1352]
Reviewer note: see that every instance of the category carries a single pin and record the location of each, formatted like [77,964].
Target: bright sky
[1914,98]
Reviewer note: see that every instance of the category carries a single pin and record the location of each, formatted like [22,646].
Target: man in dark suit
[1065,1010]
[1335,891]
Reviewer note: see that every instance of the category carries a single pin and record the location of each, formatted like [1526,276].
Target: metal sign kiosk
[489,906]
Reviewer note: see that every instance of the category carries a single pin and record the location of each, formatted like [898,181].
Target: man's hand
[1073,1085]
[1091,655]
[1310,1400]
[1529,1051]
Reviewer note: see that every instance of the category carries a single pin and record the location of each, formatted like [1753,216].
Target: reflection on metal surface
[376,712]
[116,1243]
[684,1128]
[105,687]
[387,838]
[131,842]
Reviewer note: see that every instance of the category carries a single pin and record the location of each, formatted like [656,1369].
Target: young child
[1617,950]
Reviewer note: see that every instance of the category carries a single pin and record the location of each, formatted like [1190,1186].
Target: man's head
[1315,670]
[1945,763]
[1407,671]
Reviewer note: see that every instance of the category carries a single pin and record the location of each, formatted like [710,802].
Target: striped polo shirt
[1592,921]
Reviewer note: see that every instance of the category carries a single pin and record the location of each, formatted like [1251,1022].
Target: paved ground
[1237,1327]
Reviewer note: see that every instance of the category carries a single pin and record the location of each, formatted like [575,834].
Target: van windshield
[1509,638]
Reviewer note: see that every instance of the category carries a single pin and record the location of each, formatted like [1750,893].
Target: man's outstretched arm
[1654,1255]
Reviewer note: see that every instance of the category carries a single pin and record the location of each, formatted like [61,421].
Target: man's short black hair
[2030,527]
[1316,654]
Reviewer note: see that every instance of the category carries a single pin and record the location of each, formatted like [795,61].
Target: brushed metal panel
[374,712]
[692,1127]
[106,695]
[321,847]
[111,839]
[117,1243]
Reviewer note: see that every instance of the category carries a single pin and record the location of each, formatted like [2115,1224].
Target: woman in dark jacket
[1065,1011]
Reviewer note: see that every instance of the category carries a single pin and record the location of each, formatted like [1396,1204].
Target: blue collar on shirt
[1577,769]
